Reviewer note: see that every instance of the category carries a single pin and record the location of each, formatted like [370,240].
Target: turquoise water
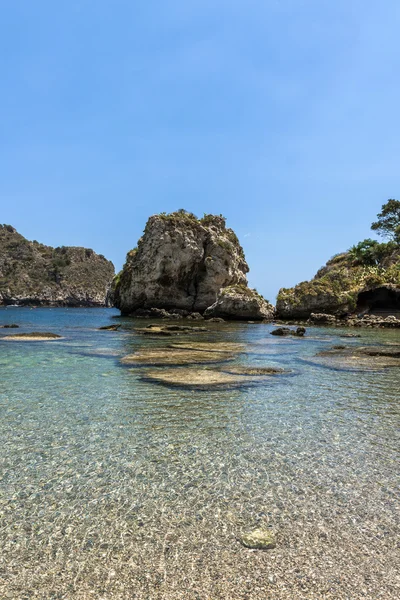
[113,487]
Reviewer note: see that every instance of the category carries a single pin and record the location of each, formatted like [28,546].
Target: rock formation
[240,302]
[35,274]
[182,262]
[345,286]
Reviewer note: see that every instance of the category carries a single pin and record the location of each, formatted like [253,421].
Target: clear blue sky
[281,114]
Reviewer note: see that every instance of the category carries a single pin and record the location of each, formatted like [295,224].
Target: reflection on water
[112,486]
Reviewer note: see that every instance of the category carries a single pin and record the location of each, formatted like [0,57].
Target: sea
[114,486]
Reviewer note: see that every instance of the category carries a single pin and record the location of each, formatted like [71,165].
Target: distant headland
[38,275]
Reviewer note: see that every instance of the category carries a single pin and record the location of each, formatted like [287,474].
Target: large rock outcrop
[240,302]
[346,285]
[181,262]
[35,274]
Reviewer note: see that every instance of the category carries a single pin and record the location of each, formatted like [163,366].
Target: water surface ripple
[113,487]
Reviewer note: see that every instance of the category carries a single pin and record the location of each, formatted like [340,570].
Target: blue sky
[283,115]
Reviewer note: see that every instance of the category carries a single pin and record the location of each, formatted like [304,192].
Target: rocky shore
[38,275]
[360,287]
[327,320]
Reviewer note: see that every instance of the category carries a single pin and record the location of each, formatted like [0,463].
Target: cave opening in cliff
[380,301]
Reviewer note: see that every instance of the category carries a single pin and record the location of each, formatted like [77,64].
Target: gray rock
[322,319]
[181,262]
[242,303]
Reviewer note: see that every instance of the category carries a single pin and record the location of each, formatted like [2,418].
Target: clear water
[113,487]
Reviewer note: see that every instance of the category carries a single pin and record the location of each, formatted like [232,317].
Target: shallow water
[113,487]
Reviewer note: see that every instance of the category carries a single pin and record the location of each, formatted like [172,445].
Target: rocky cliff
[32,273]
[358,281]
[181,262]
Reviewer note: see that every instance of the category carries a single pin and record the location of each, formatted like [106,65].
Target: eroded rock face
[345,286]
[322,319]
[180,262]
[237,302]
[35,274]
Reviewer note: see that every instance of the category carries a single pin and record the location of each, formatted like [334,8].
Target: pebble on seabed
[259,539]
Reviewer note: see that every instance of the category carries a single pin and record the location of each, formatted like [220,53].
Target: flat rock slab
[233,347]
[155,331]
[208,378]
[35,336]
[209,346]
[368,358]
[195,378]
[252,371]
[170,356]
[259,539]
[168,330]
[184,328]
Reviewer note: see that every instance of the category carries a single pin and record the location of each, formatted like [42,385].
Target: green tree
[388,223]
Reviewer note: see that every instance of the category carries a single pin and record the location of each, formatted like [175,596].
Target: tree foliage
[388,223]
[370,252]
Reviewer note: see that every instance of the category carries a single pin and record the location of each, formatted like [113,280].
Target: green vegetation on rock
[336,287]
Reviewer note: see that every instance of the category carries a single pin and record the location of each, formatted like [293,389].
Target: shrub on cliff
[370,252]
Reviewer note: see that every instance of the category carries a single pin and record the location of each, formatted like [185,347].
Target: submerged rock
[210,346]
[170,356]
[240,302]
[361,357]
[259,539]
[350,335]
[155,331]
[206,378]
[188,328]
[34,336]
[252,371]
[170,329]
[11,326]
[110,327]
[284,331]
[234,347]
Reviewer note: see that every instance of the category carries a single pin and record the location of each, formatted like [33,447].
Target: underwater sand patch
[170,356]
[35,336]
